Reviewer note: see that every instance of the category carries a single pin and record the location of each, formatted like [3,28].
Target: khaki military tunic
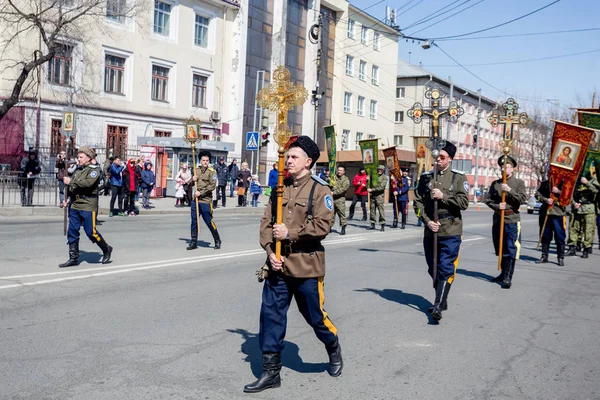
[377,196]
[304,254]
[455,188]
[205,184]
[542,195]
[514,198]
[339,199]
[83,188]
[582,226]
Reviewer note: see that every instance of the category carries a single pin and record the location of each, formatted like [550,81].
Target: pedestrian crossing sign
[251,140]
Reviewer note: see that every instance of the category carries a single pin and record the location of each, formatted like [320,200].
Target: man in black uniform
[514,197]
[556,222]
[83,196]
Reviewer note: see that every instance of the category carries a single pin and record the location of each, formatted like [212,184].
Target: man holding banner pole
[377,196]
[400,192]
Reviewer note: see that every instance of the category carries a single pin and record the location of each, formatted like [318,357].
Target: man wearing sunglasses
[451,192]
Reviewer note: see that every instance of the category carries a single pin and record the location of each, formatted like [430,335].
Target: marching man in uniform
[307,214]
[516,195]
[377,194]
[342,183]
[555,219]
[583,225]
[452,196]
[83,196]
[400,199]
[205,184]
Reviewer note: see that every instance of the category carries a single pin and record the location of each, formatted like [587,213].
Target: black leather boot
[343,231]
[382,228]
[560,254]
[193,243]
[395,224]
[508,273]
[336,364]
[371,228]
[217,239]
[441,295]
[73,256]
[500,277]
[585,253]
[403,226]
[571,252]
[364,218]
[578,247]
[270,377]
[106,251]
[544,258]
[445,299]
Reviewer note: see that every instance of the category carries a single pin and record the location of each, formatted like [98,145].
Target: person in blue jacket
[273,177]
[401,194]
[148,183]
[116,186]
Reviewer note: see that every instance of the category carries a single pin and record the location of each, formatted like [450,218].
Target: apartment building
[139,75]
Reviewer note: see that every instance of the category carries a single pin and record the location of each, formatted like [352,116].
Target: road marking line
[473,239]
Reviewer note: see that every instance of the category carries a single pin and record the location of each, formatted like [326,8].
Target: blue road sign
[251,140]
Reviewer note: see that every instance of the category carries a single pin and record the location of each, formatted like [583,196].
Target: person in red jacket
[360,183]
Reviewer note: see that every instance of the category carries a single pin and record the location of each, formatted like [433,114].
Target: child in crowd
[255,190]
[179,194]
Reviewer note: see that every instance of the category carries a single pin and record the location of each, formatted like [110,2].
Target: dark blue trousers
[511,246]
[278,291]
[448,252]
[206,212]
[78,218]
[555,226]
[403,206]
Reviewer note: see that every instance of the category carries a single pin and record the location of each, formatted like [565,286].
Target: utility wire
[408,9]
[433,16]
[523,34]
[449,16]
[499,25]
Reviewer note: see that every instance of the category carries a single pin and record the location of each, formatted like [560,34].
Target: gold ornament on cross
[280,97]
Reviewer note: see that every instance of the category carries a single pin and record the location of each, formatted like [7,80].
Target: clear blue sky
[561,78]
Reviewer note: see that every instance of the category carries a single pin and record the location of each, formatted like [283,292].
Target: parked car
[533,205]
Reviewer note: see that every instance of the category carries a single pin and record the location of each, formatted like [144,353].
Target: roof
[379,25]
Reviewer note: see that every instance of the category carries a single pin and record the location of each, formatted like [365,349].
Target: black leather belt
[444,215]
[292,248]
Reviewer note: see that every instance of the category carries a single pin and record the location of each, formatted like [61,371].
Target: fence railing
[39,190]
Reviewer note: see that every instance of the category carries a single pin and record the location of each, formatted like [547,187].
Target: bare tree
[51,21]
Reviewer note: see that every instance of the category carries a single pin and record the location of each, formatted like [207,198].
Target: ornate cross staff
[280,97]
[435,143]
[192,135]
[508,119]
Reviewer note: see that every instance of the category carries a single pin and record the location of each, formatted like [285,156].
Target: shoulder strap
[310,201]
[452,183]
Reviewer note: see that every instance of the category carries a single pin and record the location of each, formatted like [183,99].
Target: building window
[201,34]
[361,106]
[162,133]
[160,83]
[61,66]
[199,91]
[376,41]
[114,74]
[373,109]
[351,28]
[363,35]
[57,141]
[345,136]
[398,140]
[115,10]
[400,92]
[371,137]
[375,75]
[116,141]
[347,102]
[362,70]
[162,17]
[359,137]
[399,117]
[349,65]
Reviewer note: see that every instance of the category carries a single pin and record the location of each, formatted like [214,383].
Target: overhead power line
[520,61]
[499,25]
[433,14]
[524,34]
[449,16]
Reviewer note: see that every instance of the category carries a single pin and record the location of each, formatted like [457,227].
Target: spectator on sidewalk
[233,173]
[148,183]
[244,179]
[255,190]
[29,169]
[106,168]
[185,176]
[179,194]
[116,186]
[273,177]
[139,167]
[222,180]
[61,166]
[131,182]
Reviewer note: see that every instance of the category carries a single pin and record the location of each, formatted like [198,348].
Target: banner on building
[569,147]
[369,151]
[331,151]
[592,159]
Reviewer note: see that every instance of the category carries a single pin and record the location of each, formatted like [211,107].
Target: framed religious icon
[191,131]
[68,122]
[421,151]
[595,142]
[389,161]
[565,154]
[367,156]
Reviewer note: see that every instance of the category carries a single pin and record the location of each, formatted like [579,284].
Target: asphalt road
[161,322]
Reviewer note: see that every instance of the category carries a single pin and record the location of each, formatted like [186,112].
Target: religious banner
[569,144]
[592,159]
[391,162]
[424,160]
[331,152]
[369,150]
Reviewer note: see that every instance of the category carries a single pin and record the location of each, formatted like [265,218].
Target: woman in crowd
[244,180]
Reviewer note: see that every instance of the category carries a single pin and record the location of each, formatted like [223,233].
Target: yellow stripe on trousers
[211,217]
[451,279]
[94,232]
[517,243]
[326,319]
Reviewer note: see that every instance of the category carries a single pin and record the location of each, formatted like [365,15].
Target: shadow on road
[475,274]
[290,356]
[410,300]
[90,257]
[200,243]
